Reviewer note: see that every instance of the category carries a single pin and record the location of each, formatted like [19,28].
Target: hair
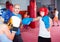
[11,4]
[38,13]
[55,8]
[8,4]
[16,5]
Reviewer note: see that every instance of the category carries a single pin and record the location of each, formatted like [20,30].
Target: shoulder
[19,15]
[8,11]
[45,17]
[3,26]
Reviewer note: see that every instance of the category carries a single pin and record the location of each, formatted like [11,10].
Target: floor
[31,35]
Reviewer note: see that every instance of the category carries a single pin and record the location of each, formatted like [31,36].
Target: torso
[16,20]
[56,15]
[43,32]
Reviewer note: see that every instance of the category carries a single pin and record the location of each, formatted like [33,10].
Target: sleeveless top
[43,32]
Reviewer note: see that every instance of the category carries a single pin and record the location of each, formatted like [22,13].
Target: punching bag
[33,12]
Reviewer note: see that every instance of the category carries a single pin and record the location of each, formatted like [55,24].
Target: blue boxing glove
[46,21]
[27,21]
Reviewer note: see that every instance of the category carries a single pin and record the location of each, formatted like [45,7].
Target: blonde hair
[16,5]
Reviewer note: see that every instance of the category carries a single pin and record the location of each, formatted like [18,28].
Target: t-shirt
[16,20]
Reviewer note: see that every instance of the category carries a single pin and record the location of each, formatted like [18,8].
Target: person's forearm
[48,29]
[11,37]
[36,19]
[13,34]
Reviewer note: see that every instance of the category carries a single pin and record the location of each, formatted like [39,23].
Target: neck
[15,13]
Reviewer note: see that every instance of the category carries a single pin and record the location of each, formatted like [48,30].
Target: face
[25,15]
[11,8]
[16,9]
[42,13]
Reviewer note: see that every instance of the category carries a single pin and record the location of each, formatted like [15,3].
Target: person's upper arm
[50,21]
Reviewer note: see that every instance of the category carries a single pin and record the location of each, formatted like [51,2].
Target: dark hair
[55,8]
[38,14]
[8,4]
